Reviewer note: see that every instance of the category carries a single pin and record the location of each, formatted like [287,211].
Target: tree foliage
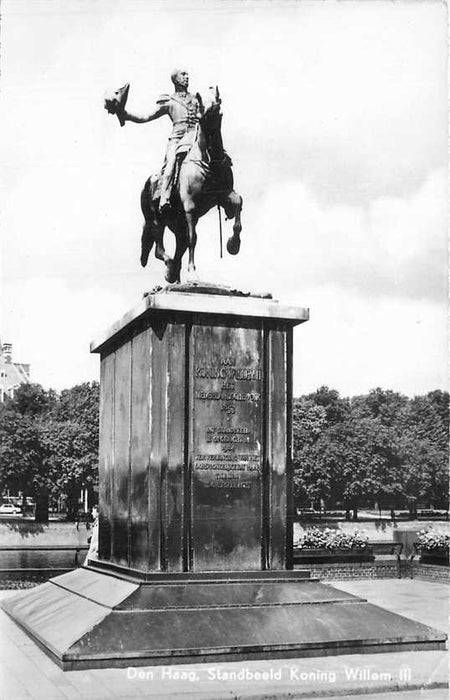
[49,443]
[381,447]
[377,448]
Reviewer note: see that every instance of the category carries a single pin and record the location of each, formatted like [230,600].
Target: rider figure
[185,111]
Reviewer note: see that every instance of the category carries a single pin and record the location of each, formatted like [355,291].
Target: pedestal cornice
[201,299]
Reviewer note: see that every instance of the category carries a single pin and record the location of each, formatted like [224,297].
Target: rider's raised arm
[142,118]
[162,108]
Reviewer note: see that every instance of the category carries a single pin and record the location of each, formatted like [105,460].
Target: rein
[220,231]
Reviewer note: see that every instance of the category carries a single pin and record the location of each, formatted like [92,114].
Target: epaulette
[162,99]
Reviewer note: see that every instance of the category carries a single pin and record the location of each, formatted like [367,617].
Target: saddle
[220,176]
[156,180]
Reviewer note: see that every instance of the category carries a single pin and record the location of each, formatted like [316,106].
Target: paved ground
[423,601]
[439,694]
[27,673]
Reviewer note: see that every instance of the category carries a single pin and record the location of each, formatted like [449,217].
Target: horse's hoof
[191,275]
[234,244]
[172,273]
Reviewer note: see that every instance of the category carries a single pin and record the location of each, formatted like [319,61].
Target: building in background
[12,374]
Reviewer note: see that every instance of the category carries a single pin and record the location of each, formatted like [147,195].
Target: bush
[316,538]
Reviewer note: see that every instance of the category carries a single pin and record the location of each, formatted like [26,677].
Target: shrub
[316,538]
[432,540]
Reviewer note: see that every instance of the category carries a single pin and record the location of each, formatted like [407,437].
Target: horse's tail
[147,238]
[146,199]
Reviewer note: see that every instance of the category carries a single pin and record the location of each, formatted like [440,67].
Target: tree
[336,408]
[20,450]
[49,443]
[309,422]
[70,460]
[22,464]
[424,448]
[72,442]
[381,447]
[373,466]
[379,403]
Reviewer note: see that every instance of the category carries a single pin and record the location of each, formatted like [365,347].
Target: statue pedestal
[195,430]
[195,533]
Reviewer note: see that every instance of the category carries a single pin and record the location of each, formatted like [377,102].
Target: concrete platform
[26,672]
[92,619]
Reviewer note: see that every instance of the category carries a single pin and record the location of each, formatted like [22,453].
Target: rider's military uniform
[185,111]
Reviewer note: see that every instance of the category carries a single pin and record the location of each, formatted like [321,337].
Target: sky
[335,115]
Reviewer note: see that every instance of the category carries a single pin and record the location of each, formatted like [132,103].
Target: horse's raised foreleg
[233,207]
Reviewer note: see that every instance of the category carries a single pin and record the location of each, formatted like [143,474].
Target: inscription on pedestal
[226,464]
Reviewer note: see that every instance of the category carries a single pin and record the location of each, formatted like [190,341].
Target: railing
[309,515]
[440,555]
[387,547]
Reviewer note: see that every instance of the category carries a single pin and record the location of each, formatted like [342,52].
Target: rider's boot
[166,191]
[165,209]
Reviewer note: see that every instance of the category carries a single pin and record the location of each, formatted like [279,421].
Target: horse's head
[211,122]
[212,112]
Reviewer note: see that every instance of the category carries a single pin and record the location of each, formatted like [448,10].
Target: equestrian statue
[196,174]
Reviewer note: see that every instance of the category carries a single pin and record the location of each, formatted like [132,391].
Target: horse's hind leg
[147,241]
[233,207]
[160,251]
[153,233]
[191,220]
[175,268]
[148,230]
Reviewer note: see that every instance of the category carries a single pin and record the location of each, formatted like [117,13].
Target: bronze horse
[204,180]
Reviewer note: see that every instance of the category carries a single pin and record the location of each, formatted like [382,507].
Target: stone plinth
[93,619]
